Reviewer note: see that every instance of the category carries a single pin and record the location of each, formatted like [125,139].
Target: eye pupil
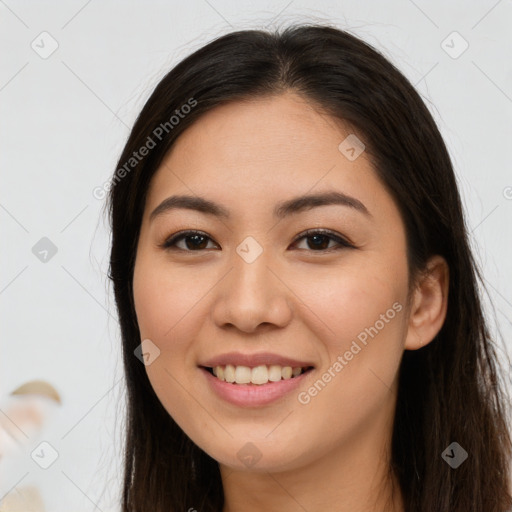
[320,245]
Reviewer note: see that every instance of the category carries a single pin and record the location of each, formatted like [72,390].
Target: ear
[429,304]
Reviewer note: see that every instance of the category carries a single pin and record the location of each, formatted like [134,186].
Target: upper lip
[251,360]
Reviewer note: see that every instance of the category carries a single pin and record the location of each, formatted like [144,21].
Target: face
[319,285]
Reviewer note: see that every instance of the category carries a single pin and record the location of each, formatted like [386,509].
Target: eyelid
[342,241]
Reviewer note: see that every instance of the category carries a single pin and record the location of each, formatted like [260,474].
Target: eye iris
[320,245]
[195,243]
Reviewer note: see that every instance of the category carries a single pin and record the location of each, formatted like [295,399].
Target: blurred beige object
[24,413]
[38,387]
[24,499]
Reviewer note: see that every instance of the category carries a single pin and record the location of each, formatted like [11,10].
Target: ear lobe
[429,304]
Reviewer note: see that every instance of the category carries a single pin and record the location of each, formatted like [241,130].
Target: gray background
[65,119]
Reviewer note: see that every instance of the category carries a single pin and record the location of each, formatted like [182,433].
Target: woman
[291,266]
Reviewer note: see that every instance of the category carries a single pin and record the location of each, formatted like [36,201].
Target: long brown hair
[449,390]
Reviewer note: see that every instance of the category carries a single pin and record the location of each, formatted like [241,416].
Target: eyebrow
[281,210]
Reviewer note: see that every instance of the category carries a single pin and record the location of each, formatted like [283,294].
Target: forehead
[256,152]
[272,130]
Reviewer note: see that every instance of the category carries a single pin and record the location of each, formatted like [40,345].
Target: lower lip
[253,395]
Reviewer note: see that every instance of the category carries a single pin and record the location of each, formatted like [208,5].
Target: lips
[252,380]
[252,395]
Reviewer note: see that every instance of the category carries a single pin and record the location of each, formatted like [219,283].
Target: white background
[64,121]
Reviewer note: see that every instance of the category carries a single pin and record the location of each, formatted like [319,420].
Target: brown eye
[318,240]
[194,241]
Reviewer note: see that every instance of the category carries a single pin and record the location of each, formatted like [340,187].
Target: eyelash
[170,243]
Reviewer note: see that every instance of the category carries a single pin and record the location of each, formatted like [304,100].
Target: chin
[257,456]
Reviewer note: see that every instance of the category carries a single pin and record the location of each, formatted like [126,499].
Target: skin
[294,299]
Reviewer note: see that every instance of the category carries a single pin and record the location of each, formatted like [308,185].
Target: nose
[252,296]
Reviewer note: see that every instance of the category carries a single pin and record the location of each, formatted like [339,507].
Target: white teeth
[258,375]
[274,373]
[286,372]
[242,375]
[229,372]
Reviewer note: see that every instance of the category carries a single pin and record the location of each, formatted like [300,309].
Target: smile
[257,375]
[248,394]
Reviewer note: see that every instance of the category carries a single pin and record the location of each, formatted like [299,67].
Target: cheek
[171,308]
[359,318]
[166,302]
[165,298]
[351,305]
